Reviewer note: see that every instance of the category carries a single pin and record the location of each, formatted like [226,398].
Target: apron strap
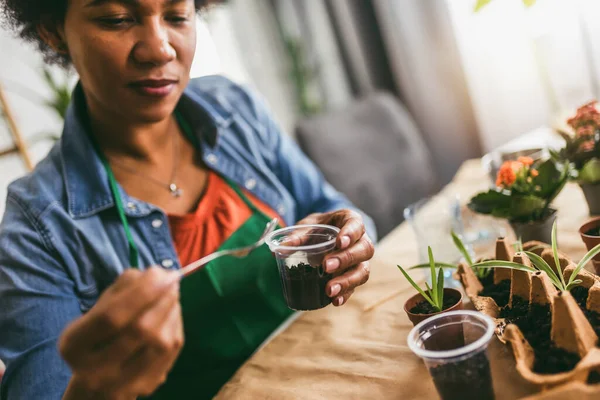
[114,189]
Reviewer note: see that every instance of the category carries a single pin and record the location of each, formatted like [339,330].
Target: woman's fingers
[343,299]
[117,308]
[361,251]
[341,285]
[352,229]
[145,372]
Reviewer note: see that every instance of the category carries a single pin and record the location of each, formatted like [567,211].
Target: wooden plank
[14,130]
[8,151]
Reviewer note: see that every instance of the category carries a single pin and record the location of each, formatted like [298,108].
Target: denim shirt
[62,243]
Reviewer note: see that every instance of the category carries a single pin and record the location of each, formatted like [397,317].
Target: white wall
[525,67]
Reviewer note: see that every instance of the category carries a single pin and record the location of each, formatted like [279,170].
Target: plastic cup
[453,346]
[299,251]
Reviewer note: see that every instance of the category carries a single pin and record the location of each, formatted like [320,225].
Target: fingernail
[332,264]
[339,301]
[345,241]
[335,289]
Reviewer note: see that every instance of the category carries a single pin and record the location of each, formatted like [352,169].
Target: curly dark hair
[24,17]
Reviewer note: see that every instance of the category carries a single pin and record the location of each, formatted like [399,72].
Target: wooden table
[351,353]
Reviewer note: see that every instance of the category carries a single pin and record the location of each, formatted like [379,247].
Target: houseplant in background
[590,235]
[524,193]
[582,150]
[435,300]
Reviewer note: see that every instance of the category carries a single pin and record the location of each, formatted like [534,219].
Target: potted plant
[582,150]
[524,194]
[590,234]
[435,299]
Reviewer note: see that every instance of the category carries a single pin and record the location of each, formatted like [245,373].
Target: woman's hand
[127,343]
[349,263]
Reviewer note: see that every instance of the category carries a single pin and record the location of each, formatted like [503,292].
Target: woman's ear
[54,37]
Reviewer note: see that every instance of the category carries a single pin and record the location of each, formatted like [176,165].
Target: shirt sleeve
[298,173]
[37,301]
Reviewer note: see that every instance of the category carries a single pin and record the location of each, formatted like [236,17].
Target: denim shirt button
[212,159]
[157,223]
[131,205]
[167,263]
[281,209]
[250,184]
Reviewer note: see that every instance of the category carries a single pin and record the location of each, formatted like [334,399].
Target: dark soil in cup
[535,323]
[593,232]
[499,292]
[425,308]
[466,379]
[304,286]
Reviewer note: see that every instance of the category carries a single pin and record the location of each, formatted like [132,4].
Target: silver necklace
[172,187]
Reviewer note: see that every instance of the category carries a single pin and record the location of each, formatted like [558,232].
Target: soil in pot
[304,286]
[593,232]
[425,308]
[535,323]
[499,292]
[520,308]
[550,359]
[466,379]
[580,294]
[593,378]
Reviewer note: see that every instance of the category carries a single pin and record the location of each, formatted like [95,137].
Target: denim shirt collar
[86,181]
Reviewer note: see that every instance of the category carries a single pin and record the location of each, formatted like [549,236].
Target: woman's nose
[153,46]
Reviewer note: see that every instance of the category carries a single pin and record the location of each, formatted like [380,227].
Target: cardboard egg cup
[570,330]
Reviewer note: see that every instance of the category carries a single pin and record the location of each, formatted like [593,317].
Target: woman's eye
[117,22]
[177,19]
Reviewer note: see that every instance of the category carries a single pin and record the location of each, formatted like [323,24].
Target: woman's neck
[121,138]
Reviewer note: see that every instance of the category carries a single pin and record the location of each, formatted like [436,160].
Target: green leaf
[437,265]
[525,206]
[440,283]
[542,265]
[461,247]
[491,202]
[588,256]
[555,254]
[590,172]
[417,288]
[548,178]
[480,4]
[434,288]
[573,284]
[504,264]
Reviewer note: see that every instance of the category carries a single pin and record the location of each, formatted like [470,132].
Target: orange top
[219,214]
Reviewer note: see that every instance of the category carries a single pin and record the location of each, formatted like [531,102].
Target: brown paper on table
[349,353]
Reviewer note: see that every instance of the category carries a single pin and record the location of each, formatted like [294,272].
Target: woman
[151,170]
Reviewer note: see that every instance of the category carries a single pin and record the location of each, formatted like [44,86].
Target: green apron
[229,307]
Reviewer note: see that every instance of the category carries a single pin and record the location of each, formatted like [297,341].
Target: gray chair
[373,152]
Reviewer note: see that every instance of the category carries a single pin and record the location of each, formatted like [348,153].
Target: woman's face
[133,56]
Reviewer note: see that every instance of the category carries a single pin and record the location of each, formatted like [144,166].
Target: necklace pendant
[175,191]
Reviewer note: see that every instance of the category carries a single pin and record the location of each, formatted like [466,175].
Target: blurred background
[388,97]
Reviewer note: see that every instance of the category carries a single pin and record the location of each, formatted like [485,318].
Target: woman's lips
[154,88]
